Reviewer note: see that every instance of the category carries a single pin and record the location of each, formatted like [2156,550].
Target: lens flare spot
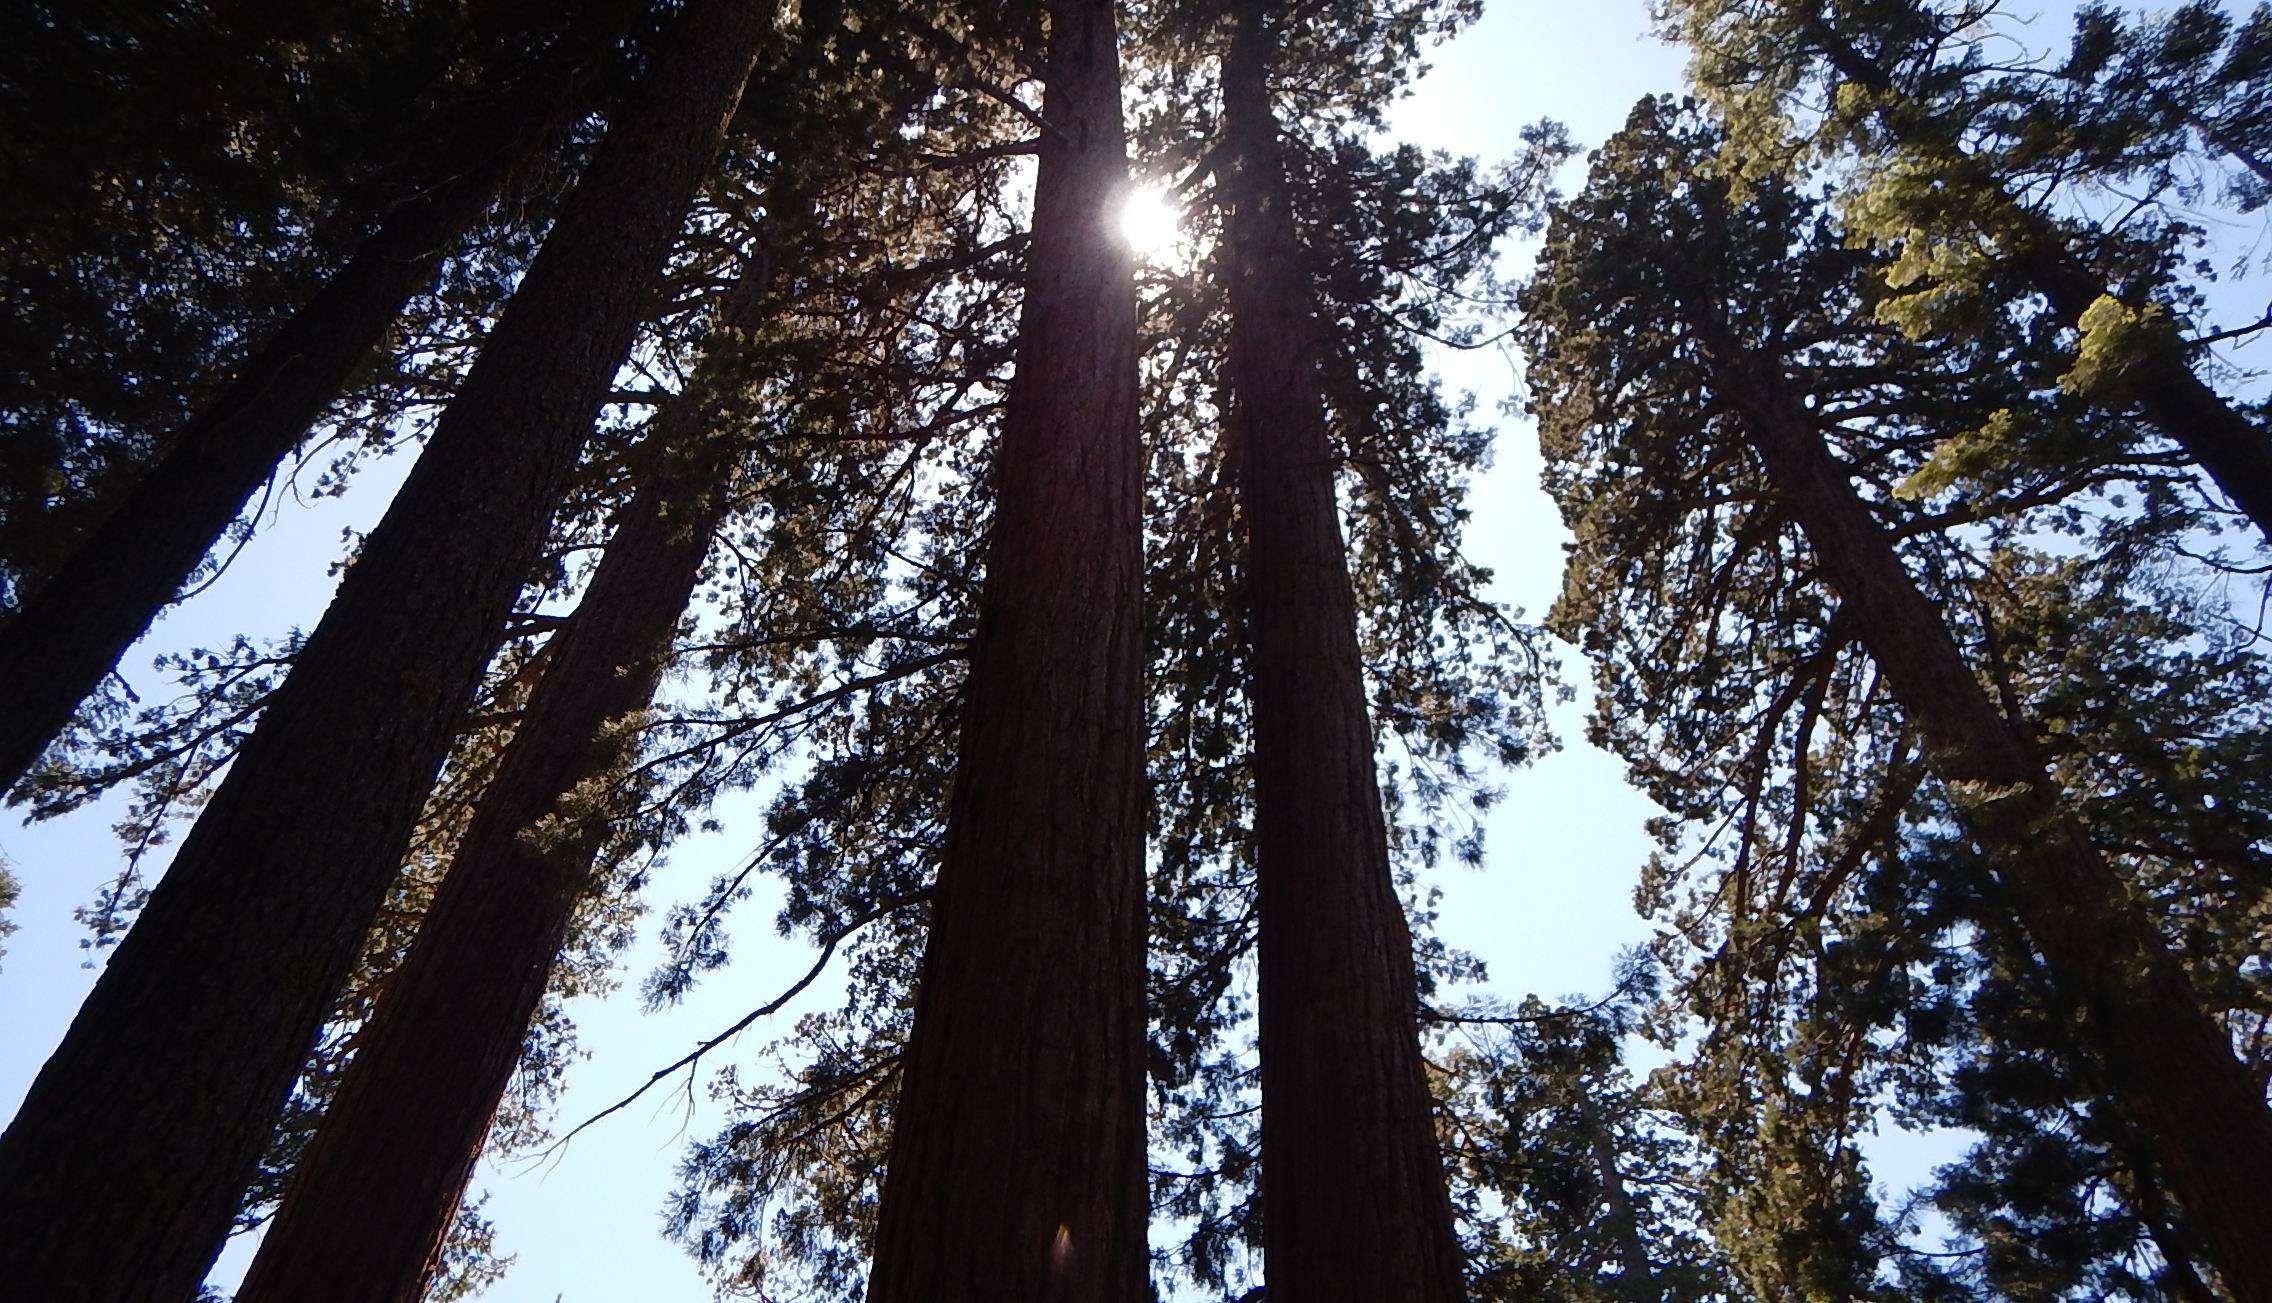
[1150,221]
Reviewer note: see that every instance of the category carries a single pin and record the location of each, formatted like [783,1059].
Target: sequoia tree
[175,177]
[1964,162]
[1017,1155]
[120,1174]
[1739,337]
[783,1197]
[2201,1113]
[1353,1198]
[368,1203]
[73,627]
[370,1200]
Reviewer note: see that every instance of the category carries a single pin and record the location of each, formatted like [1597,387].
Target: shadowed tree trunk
[2199,1113]
[60,644]
[368,1205]
[1017,1166]
[120,1175]
[1354,1205]
[1636,1276]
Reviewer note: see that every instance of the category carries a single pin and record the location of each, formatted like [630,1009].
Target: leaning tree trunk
[2169,1067]
[61,643]
[1354,1206]
[1017,1165]
[120,1175]
[369,1203]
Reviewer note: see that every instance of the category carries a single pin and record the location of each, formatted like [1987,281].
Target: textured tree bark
[71,632]
[2200,1113]
[370,1202]
[1353,1196]
[1017,1166]
[119,1176]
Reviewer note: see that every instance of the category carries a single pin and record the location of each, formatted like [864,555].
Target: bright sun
[1148,222]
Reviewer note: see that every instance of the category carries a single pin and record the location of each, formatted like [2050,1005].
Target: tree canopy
[1089,627]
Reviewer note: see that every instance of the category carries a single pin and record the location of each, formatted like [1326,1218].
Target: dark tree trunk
[2147,1199]
[2200,1114]
[368,1205]
[72,630]
[119,1176]
[1354,1205]
[1017,1167]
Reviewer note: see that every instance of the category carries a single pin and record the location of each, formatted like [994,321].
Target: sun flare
[1150,222]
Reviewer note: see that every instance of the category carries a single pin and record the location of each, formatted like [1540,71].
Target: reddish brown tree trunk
[1354,1205]
[1017,1167]
[71,632]
[368,1205]
[119,1176]
[2200,1113]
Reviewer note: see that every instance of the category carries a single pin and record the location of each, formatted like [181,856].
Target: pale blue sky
[1547,914]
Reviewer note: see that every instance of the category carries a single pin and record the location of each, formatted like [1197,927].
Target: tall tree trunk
[1017,1166]
[369,1203]
[1354,1204]
[367,1207]
[2144,1194]
[2200,1114]
[119,1176]
[76,625]
[1636,1276]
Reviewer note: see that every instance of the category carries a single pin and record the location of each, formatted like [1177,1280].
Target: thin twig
[693,1056]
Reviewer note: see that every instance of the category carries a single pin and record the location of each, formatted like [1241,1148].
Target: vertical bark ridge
[120,1174]
[1017,1164]
[73,629]
[1353,1194]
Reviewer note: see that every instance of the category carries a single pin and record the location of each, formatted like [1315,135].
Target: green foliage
[179,178]
[10,888]
[783,1200]
[1837,940]
[874,188]
[1866,216]
[1576,1182]
[2066,193]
